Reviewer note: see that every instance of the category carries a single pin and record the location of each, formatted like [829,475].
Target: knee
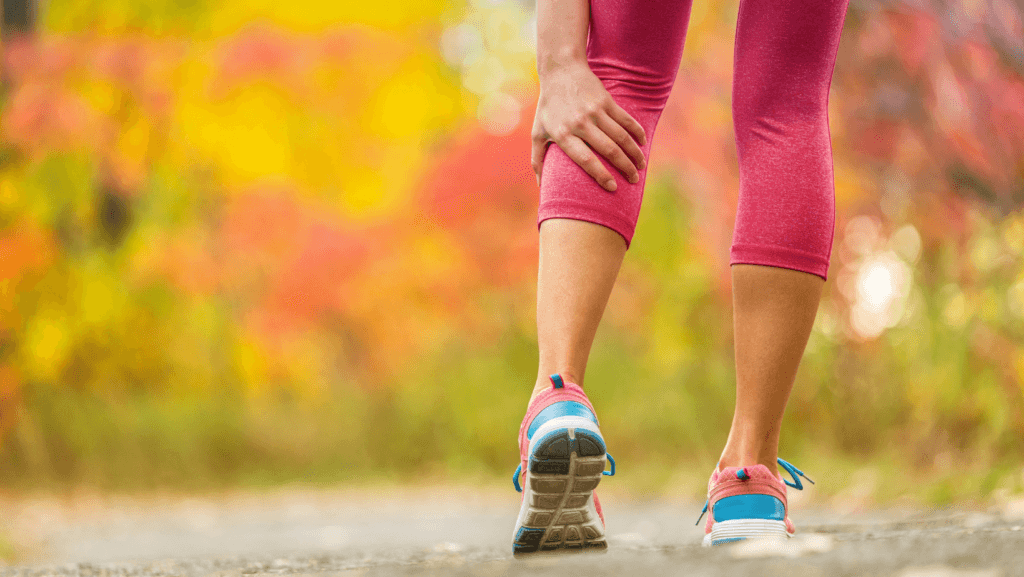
[778,96]
[777,116]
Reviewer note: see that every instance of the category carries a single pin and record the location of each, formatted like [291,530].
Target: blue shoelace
[742,475]
[519,470]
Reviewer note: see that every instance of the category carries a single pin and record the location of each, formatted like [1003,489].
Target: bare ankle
[747,459]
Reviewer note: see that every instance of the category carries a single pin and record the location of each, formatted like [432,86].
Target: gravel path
[455,531]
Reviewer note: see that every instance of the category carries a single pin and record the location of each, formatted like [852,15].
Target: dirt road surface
[460,531]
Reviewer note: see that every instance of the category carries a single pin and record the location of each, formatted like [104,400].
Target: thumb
[537,159]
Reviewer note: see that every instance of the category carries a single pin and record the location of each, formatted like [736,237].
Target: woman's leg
[634,47]
[785,56]
[773,312]
[579,261]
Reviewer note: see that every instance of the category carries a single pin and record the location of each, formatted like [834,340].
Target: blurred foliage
[7,551]
[246,242]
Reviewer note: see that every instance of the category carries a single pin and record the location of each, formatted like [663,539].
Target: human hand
[577,112]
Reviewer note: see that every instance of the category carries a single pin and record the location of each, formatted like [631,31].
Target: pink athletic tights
[785,53]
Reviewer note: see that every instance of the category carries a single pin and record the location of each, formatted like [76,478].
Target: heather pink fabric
[724,483]
[785,54]
[568,392]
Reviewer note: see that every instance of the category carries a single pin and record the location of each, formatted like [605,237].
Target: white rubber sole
[567,458]
[724,532]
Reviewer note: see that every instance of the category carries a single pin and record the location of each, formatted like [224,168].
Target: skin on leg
[773,313]
[579,262]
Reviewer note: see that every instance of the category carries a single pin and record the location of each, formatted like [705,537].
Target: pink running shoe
[745,502]
[562,457]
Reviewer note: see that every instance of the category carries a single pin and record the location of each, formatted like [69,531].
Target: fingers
[539,147]
[606,147]
[624,119]
[576,149]
[623,139]
[606,130]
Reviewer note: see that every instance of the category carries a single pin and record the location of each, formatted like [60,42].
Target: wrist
[560,60]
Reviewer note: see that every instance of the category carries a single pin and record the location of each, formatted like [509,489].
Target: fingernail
[610,183]
[634,178]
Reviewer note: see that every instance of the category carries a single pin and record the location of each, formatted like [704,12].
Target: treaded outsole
[564,469]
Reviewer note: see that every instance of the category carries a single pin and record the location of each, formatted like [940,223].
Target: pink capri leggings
[785,53]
